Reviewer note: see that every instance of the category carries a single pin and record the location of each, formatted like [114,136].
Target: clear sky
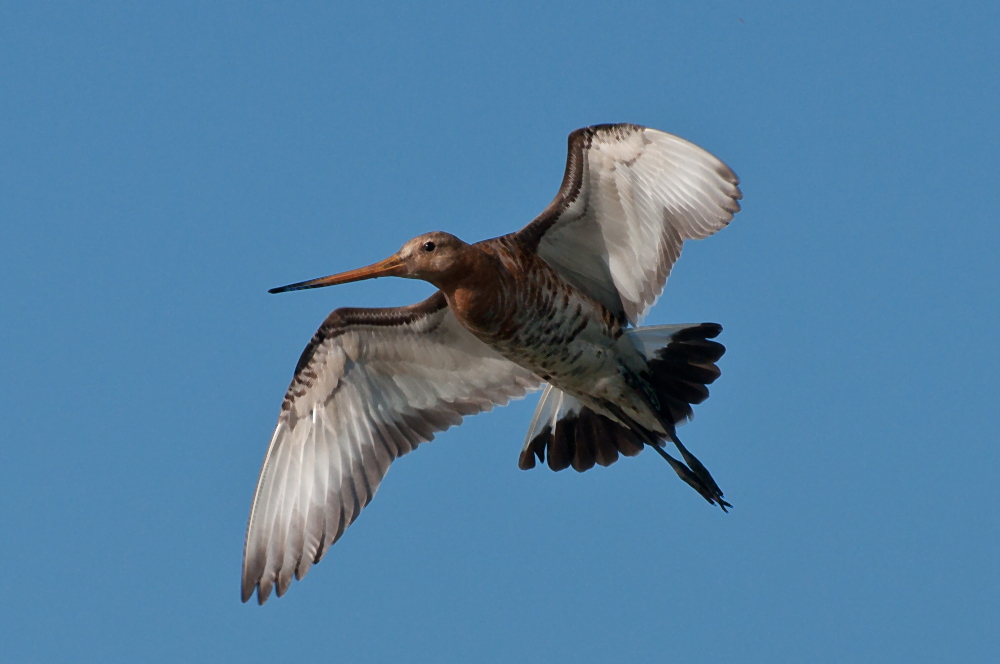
[161,166]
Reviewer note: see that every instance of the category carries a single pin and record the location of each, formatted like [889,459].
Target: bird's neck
[477,293]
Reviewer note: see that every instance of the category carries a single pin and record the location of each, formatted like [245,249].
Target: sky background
[162,165]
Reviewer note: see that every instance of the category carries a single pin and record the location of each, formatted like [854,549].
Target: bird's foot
[714,497]
[699,469]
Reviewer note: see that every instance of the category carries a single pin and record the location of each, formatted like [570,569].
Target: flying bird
[553,305]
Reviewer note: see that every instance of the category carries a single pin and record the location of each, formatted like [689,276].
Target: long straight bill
[390,267]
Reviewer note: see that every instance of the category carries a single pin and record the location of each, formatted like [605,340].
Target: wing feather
[630,197]
[370,387]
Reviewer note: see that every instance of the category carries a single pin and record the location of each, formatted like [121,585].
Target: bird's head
[433,257]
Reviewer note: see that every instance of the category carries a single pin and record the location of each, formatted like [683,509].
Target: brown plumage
[552,305]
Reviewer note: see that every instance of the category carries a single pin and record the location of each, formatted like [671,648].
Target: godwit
[553,304]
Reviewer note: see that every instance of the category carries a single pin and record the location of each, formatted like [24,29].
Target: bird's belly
[558,342]
[592,373]
[565,338]
[560,363]
[580,358]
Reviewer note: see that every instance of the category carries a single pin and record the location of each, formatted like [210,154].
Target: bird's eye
[428,246]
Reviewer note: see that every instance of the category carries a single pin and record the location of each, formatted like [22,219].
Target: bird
[554,306]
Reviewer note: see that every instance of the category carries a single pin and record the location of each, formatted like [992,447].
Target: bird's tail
[680,365]
[573,435]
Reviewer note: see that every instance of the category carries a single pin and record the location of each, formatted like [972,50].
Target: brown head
[435,257]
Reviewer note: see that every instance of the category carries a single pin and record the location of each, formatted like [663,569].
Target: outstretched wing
[370,386]
[629,198]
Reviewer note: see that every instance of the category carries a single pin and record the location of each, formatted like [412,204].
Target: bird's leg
[699,469]
[691,478]
[709,490]
[705,479]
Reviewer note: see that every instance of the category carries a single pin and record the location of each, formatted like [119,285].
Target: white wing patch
[630,198]
[372,386]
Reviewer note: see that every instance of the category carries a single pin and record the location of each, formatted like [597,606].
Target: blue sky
[162,166]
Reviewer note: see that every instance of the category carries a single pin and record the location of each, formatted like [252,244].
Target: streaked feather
[630,197]
[371,386]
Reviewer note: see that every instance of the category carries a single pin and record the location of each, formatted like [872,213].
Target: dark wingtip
[249,590]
